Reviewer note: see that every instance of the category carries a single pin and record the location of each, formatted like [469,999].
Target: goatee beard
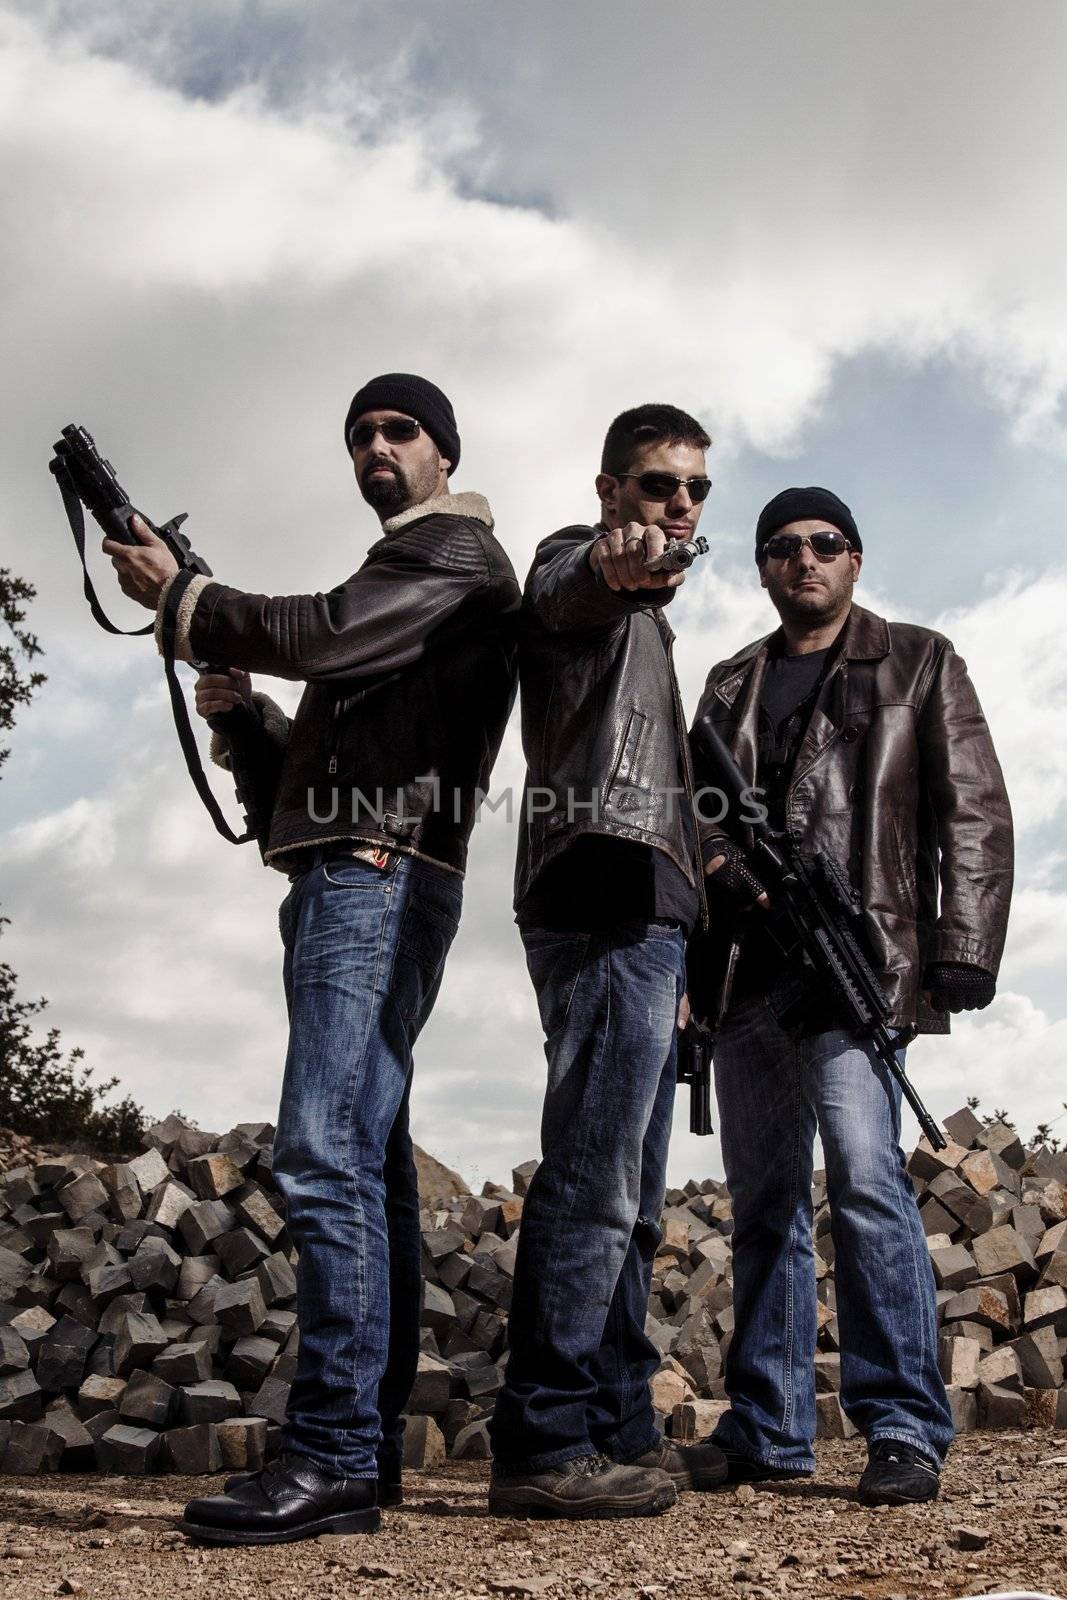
[385,494]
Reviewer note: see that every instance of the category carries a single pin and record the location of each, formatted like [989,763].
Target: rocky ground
[1000,1525]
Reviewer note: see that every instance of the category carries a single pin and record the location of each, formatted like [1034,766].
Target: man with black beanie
[871,748]
[366,800]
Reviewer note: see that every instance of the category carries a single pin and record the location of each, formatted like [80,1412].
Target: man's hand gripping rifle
[822,916]
[85,478]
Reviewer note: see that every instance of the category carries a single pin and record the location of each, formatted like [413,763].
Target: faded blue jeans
[580,1361]
[364,953]
[773,1094]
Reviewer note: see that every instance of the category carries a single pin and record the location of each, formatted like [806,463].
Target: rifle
[85,478]
[822,912]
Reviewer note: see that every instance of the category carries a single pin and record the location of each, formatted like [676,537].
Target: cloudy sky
[833,230]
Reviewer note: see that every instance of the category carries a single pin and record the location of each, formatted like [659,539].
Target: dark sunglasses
[784,546]
[663,485]
[398,430]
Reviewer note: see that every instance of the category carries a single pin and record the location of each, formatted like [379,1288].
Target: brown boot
[588,1486]
[689,1466]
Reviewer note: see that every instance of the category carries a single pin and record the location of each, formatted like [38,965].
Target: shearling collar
[443,505]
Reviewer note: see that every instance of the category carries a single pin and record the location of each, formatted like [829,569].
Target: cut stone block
[133,1452]
[1039,1358]
[239,1306]
[193,1450]
[138,1341]
[203,1222]
[999,1407]
[981,1305]
[210,1401]
[276,1279]
[147,1400]
[212,1176]
[100,1394]
[954,1268]
[830,1420]
[32,1447]
[270,1400]
[431,1390]
[82,1195]
[21,1399]
[242,1443]
[1004,1249]
[472,1443]
[424,1444]
[63,1354]
[186,1363]
[963,1127]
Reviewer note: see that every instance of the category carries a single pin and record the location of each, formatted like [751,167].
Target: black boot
[390,1482]
[291,1499]
[898,1475]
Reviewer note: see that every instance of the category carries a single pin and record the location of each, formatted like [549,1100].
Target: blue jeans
[773,1093]
[364,953]
[579,1364]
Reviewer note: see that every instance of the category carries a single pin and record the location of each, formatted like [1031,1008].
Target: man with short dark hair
[608,885]
[366,799]
[869,742]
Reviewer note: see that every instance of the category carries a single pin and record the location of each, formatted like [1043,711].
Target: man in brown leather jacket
[869,742]
[366,800]
[608,884]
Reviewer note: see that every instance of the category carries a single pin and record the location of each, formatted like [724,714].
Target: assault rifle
[822,918]
[86,479]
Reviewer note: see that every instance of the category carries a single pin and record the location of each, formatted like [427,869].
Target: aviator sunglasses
[398,430]
[663,485]
[784,546]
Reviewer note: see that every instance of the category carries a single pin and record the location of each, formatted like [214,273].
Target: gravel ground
[1000,1524]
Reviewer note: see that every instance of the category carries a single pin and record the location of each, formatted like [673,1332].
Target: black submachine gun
[822,919]
[86,479]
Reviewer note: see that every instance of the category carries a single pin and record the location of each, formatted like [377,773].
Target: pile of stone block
[148,1324]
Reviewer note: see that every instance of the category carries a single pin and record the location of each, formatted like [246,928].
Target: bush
[51,1097]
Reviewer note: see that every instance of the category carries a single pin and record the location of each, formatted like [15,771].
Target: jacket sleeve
[418,586]
[567,596]
[252,746]
[964,783]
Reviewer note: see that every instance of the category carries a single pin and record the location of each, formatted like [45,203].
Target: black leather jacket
[602,723]
[410,671]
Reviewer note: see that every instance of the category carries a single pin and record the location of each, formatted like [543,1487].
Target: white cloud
[204,281]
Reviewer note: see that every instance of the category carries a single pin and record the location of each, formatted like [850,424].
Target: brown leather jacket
[411,673]
[897,780]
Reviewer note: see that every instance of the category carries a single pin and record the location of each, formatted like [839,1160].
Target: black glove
[955,986]
[734,880]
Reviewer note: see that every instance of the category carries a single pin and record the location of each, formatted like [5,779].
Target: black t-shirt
[600,881]
[787,698]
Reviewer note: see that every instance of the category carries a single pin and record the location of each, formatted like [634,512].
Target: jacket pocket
[623,791]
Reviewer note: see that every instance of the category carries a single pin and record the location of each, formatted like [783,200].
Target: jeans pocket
[348,873]
[426,935]
[555,964]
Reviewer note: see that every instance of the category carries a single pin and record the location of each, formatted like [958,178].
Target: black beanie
[415,397]
[798,505]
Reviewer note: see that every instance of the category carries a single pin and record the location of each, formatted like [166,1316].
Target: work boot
[390,1485]
[587,1486]
[689,1466]
[291,1499]
[898,1475]
[746,1469]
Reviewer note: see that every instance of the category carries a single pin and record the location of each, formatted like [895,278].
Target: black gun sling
[186,737]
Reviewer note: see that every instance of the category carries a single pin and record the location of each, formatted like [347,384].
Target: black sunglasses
[784,546]
[664,485]
[398,430]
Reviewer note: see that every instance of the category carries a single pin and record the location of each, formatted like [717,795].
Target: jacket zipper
[338,706]
[687,779]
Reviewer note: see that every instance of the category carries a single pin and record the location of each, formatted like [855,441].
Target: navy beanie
[798,505]
[415,397]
